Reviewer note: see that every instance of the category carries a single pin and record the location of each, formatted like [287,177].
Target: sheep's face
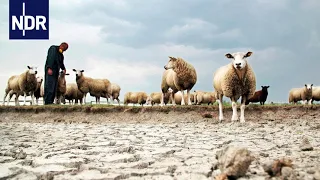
[33,69]
[239,59]
[78,72]
[265,88]
[308,86]
[171,63]
[62,74]
[148,101]
[39,79]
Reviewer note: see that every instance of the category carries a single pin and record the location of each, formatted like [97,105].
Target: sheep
[303,93]
[234,80]
[72,93]
[179,75]
[61,87]
[113,93]
[315,94]
[204,97]
[96,87]
[135,97]
[37,93]
[259,96]
[178,98]
[25,83]
[155,97]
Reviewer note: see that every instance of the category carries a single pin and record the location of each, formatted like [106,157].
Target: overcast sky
[129,41]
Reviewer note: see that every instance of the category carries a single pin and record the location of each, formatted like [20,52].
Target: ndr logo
[28,19]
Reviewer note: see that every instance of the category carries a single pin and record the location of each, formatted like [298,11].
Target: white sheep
[303,93]
[25,83]
[179,75]
[205,97]
[115,92]
[96,87]
[155,97]
[234,80]
[178,98]
[72,93]
[315,94]
[135,98]
[61,87]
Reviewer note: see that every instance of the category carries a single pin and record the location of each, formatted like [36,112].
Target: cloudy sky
[129,41]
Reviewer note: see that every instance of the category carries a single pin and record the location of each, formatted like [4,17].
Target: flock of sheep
[234,80]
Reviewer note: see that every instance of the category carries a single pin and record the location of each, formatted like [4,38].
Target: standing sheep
[315,94]
[259,96]
[113,93]
[234,80]
[37,93]
[25,83]
[155,97]
[179,75]
[61,87]
[73,93]
[204,97]
[178,98]
[135,98]
[96,87]
[303,93]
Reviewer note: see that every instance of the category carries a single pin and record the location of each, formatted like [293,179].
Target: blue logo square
[28,19]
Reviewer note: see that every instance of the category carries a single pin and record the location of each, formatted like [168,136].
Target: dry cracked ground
[150,150]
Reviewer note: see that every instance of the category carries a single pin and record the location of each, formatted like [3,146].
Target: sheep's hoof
[234,118]
[242,120]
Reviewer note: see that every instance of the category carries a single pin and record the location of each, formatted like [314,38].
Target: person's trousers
[50,88]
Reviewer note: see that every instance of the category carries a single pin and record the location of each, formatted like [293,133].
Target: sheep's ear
[74,70]
[228,55]
[67,74]
[268,86]
[261,86]
[82,71]
[305,85]
[311,84]
[29,67]
[249,53]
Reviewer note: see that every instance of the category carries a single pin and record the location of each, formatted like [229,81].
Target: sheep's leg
[9,97]
[173,100]
[309,102]
[162,99]
[188,95]
[234,110]
[32,98]
[220,107]
[37,101]
[4,98]
[25,98]
[242,107]
[16,100]
[182,100]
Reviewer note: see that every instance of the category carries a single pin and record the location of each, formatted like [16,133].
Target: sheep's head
[39,79]
[62,74]
[171,63]
[148,101]
[265,88]
[32,69]
[239,59]
[308,86]
[78,72]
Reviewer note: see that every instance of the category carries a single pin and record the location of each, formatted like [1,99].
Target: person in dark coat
[52,67]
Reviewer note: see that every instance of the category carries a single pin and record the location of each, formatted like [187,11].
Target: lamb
[61,87]
[155,97]
[303,93]
[204,97]
[135,98]
[37,93]
[25,83]
[96,87]
[315,94]
[259,96]
[234,80]
[179,75]
[72,93]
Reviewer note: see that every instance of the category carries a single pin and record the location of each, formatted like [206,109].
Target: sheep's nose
[238,64]
[164,67]
[36,72]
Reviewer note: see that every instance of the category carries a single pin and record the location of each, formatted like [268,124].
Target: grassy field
[112,108]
